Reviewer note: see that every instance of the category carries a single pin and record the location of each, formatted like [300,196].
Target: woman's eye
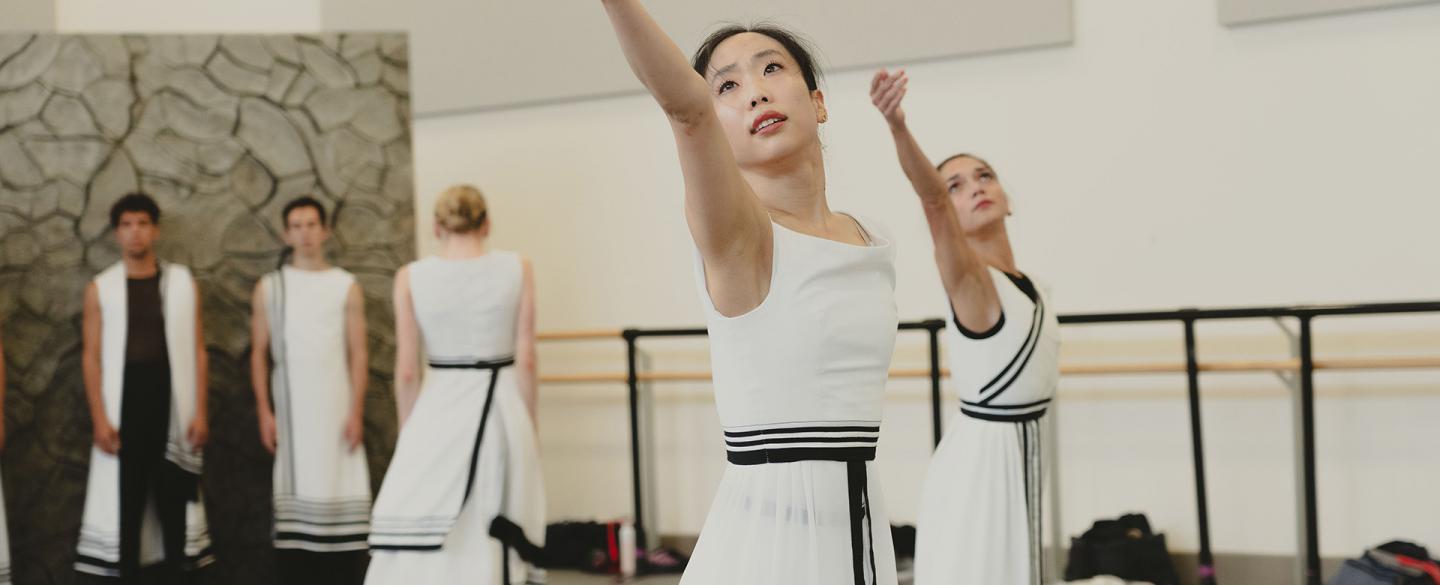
[727,86]
[771,68]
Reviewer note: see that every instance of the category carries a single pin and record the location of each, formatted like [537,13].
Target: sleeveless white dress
[321,486]
[468,453]
[799,382]
[979,516]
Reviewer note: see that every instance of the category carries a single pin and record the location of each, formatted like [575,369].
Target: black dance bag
[1125,548]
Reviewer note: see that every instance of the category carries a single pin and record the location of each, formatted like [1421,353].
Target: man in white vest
[309,367]
[145,369]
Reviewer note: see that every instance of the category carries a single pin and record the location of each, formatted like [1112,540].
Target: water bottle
[627,549]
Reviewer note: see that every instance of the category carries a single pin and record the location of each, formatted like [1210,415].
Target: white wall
[187,16]
[1162,161]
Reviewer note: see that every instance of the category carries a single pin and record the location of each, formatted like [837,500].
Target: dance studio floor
[576,578]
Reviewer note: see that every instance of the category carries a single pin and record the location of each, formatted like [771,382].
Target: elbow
[526,364]
[406,376]
[688,107]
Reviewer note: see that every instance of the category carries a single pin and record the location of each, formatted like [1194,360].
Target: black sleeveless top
[145,330]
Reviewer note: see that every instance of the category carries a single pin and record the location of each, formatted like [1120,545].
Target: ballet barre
[1302,365]
[1253,366]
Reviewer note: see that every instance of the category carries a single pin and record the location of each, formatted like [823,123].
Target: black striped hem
[359,537]
[410,547]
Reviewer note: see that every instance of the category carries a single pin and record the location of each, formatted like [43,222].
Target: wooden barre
[1288,365]
[579,334]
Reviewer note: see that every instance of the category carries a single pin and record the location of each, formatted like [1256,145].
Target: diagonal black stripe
[1040,323]
[1034,326]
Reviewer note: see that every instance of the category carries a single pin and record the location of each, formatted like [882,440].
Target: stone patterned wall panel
[222,131]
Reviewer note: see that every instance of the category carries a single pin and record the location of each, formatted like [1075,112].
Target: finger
[895,100]
[890,99]
[899,91]
[881,85]
[880,76]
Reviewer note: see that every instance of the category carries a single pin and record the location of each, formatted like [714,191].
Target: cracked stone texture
[222,131]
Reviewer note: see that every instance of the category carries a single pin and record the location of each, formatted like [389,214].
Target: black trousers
[145,474]
[303,567]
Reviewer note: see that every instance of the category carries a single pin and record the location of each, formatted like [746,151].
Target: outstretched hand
[886,91]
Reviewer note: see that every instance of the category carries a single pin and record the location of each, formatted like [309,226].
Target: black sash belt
[852,444]
[1012,413]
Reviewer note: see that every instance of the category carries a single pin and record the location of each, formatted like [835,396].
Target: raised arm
[730,227]
[965,277]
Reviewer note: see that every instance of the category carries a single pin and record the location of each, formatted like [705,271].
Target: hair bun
[460,209]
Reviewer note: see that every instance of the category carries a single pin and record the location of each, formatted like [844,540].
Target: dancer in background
[979,515]
[309,321]
[145,368]
[467,463]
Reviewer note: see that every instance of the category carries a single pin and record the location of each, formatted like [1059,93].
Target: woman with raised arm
[800,304]
[979,516]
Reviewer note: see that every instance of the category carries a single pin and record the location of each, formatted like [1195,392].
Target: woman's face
[979,199]
[764,106]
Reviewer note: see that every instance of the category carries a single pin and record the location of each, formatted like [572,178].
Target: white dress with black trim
[979,515]
[799,382]
[322,486]
[468,453]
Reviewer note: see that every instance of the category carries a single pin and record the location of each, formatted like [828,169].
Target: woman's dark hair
[969,156]
[302,202]
[136,202]
[797,46]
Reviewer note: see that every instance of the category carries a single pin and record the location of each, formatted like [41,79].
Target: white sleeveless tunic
[799,382]
[468,452]
[321,486]
[979,516]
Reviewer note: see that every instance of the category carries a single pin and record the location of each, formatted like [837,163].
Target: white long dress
[322,486]
[468,452]
[979,515]
[799,382]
